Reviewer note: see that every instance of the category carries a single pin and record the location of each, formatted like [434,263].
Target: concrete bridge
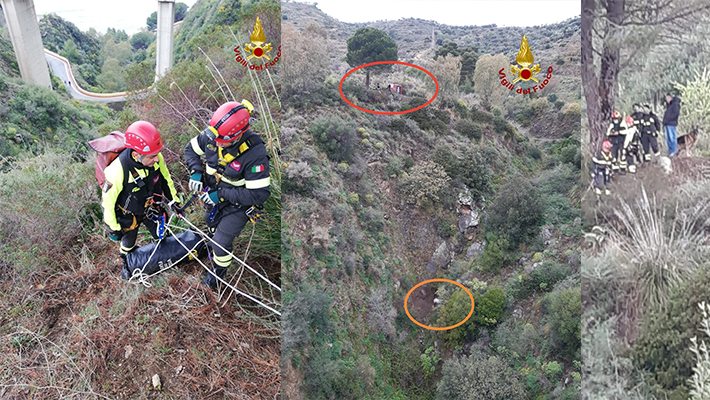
[33,59]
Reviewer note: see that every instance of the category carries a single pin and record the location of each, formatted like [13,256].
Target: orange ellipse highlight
[389,112]
[433,328]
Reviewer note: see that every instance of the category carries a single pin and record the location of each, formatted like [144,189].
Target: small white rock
[178,370]
[156,382]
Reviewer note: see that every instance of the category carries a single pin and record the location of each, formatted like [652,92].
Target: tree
[111,77]
[447,70]
[180,11]
[425,183]
[299,75]
[71,52]
[613,21]
[565,313]
[142,40]
[469,57]
[477,377]
[152,21]
[517,212]
[486,82]
[370,45]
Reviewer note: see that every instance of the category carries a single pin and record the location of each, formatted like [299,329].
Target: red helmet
[144,138]
[616,114]
[229,122]
[606,145]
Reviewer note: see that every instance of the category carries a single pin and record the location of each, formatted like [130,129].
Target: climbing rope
[237,291]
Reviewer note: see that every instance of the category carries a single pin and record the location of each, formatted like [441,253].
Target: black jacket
[672,113]
[244,180]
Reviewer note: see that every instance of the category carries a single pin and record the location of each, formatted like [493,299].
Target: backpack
[107,148]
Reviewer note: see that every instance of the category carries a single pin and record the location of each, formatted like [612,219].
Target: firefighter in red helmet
[132,180]
[603,163]
[236,171]
[616,134]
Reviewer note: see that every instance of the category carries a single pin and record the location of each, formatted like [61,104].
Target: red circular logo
[525,74]
[258,52]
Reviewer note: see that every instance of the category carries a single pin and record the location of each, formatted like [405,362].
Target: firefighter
[603,163]
[615,135]
[236,173]
[133,180]
[651,127]
[632,147]
[638,117]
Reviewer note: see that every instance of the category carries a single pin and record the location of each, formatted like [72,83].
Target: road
[60,68]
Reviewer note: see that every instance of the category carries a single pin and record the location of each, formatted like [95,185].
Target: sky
[129,15]
[454,12]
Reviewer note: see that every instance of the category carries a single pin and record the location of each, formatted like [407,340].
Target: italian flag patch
[257,168]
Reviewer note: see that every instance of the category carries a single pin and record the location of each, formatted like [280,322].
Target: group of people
[233,178]
[632,140]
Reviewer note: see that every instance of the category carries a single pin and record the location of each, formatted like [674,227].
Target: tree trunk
[610,60]
[367,79]
[589,79]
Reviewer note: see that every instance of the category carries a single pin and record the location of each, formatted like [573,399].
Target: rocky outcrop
[469,217]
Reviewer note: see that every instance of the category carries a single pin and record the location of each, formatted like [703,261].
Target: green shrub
[564,311]
[335,137]
[552,369]
[489,308]
[425,183]
[493,257]
[475,172]
[469,129]
[49,202]
[541,279]
[477,377]
[451,313]
[447,159]
[481,116]
[662,348]
[516,212]
[394,167]
[307,319]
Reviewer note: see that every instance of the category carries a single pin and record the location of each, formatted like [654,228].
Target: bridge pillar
[164,41]
[26,41]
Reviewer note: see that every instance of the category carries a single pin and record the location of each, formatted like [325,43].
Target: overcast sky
[454,12]
[129,15]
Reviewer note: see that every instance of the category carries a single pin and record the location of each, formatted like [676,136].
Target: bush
[451,313]
[517,212]
[425,183]
[335,137]
[299,178]
[489,308]
[565,312]
[447,159]
[493,257]
[662,348]
[469,129]
[481,116]
[475,172]
[307,319]
[541,279]
[477,377]
[48,203]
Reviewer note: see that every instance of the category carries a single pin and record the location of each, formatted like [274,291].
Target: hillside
[71,326]
[487,197]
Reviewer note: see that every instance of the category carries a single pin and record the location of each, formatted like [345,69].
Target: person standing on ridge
[235,178]
[670,121]
[649,131]
[615,134]
[602,169]
[132,180]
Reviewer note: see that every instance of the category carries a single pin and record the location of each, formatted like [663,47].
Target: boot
[211,281]
[125,272]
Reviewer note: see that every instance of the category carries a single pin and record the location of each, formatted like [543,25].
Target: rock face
[475,250]
[546,234]
[443,256]
[469,218]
